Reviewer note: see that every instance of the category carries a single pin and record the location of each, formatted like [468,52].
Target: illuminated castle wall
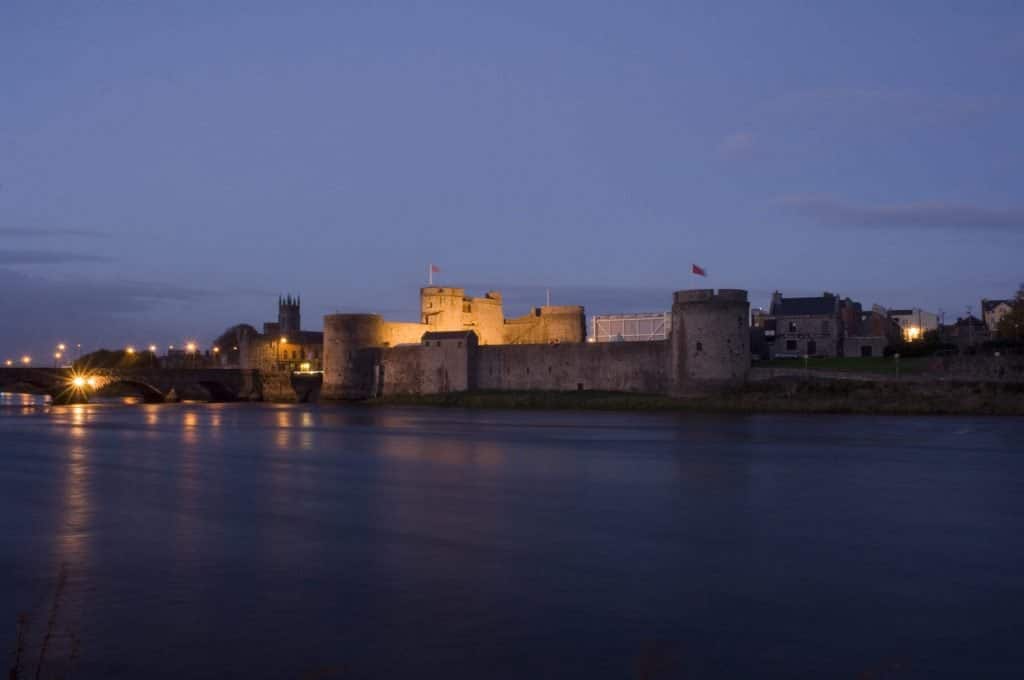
[466,343]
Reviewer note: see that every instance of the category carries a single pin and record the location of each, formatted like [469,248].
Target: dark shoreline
[826,397]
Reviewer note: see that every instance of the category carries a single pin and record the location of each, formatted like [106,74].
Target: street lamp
[8,362]
[152,349]
[56,359]
[129,350]
[26,360]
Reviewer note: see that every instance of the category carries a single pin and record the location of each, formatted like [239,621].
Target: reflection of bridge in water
[67,385]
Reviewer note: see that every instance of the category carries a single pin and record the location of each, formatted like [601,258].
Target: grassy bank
[868,365]
[773,397]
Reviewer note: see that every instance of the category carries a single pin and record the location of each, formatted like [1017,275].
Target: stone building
[365,356]
[806,326]
[993,311]
[283,346]
[968,332]
[824,326]
[914,323]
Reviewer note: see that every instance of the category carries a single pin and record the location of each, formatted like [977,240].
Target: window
[812,347]
[460,343]
[700,347]
[792,326]
[790,345]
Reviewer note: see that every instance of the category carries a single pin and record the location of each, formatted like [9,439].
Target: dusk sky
[168,169]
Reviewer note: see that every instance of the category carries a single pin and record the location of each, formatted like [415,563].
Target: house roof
[969,321]
[805,306]
[989,305]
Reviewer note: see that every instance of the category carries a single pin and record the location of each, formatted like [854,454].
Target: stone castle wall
[428,368]
[709,346]
[607,366]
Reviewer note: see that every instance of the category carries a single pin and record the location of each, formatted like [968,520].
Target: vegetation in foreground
[873,365]
[783,396]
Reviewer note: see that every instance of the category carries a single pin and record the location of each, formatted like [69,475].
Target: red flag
[434,269]
[699,271]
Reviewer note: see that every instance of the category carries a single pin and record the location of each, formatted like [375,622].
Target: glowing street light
[61,347]
[152,348]
[8,362]
[216,350]
[26,360]
[129,350]
[190,347]
[78,381]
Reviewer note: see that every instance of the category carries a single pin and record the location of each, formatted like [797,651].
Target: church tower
[289,319]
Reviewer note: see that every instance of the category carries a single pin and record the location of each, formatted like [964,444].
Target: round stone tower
[710,339]
[349,363]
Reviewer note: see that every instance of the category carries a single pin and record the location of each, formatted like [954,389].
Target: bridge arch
[217,390]
[149,393]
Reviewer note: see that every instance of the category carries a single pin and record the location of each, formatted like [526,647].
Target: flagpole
[430,274]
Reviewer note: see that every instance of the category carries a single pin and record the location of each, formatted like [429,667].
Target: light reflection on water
[272,541]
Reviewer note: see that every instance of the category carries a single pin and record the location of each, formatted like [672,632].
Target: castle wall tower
[441,308]
[710,343]
[289,319]
[350,364]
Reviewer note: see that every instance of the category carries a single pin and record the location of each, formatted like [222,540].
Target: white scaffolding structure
[640,327]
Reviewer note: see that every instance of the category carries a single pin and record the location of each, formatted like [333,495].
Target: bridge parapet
[72,385]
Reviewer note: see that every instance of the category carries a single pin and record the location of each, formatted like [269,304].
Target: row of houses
[832,326]
[823,326]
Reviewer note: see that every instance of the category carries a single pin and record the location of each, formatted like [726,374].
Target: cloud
[736,145]
[833,212]
[14,257]
[97,313]
[35,232]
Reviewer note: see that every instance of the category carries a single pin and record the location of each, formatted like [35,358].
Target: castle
[464,343]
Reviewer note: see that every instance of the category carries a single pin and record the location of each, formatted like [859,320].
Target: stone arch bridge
[66,385]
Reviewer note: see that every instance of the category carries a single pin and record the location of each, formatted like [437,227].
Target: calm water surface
[261,541]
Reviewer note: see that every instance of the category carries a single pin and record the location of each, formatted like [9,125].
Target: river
[324,541]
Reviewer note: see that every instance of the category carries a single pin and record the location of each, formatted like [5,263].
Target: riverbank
[782,396]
